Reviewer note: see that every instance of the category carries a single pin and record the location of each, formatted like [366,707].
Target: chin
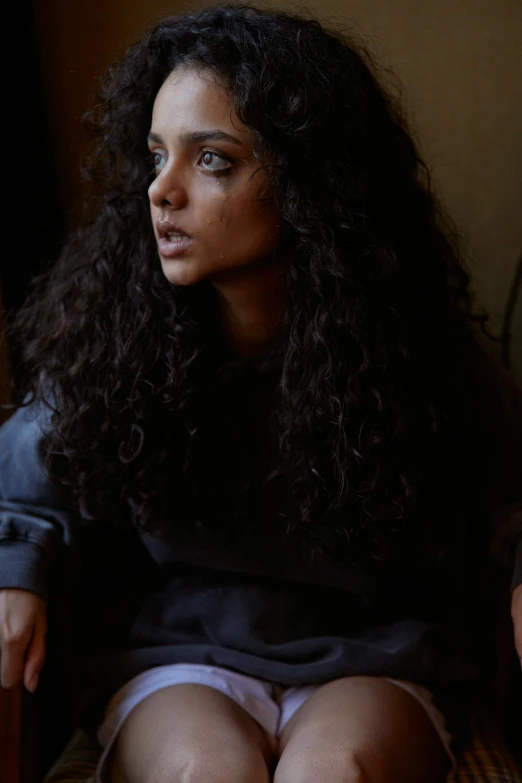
[181,272]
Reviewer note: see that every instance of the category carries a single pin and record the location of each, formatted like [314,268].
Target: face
[203,160]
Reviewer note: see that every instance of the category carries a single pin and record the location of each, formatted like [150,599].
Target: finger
[518,639]
[35,657]
[516,616]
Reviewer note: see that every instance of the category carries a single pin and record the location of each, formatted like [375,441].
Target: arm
[507,547]
[516,588]
[507,539]
[34,529]
[35,519]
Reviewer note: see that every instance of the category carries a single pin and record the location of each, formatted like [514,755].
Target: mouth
[172,240]
[172,236]
[165,229]
[173,244]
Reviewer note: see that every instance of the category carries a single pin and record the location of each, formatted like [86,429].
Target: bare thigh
[360,729]
[191,732]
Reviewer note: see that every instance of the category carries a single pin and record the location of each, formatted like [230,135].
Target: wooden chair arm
[10,734]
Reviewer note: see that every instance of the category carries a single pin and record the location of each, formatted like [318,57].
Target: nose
[167,191]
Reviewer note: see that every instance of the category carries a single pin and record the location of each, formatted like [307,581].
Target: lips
[173,246]
[168,230]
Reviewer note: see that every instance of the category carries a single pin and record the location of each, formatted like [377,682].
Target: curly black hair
[388,412]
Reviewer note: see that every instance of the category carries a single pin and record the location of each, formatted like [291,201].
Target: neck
[252,307]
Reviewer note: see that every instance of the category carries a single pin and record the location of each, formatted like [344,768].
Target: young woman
[259,441]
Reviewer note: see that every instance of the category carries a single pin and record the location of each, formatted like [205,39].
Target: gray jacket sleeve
[35,521]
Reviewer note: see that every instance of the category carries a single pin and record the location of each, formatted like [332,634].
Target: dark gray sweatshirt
[139,601]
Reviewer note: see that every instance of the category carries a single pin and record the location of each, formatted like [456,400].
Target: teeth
[172,234]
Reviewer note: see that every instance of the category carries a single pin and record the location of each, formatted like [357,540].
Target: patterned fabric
[77,764]
[484,760]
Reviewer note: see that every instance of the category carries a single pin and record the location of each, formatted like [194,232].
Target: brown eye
[158,160]
[207,159]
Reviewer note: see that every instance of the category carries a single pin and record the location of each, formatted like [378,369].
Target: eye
[158,161]
[218,171]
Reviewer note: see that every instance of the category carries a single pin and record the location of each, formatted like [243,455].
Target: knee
[196,768]
[335,767]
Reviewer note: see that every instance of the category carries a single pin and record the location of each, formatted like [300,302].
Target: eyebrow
[197,137]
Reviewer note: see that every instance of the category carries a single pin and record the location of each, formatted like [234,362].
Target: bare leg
[360,730]
[191,732]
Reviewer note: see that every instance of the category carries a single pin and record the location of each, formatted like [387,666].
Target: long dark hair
[388,413]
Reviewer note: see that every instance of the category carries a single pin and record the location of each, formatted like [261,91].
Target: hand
[516,616]
[23,626]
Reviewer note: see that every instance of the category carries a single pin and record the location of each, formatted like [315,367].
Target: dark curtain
[33,218]
[32,230]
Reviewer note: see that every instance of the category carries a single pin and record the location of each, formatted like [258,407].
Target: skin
[516,616]
[349,730]
[234,237]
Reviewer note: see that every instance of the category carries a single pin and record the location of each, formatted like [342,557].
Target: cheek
[242,214]
[226,216]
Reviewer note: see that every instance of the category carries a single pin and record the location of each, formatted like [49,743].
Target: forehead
[194,100]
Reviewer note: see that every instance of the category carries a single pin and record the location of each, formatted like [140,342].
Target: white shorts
[270,705]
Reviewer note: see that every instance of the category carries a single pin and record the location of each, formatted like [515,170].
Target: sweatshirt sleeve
[35,522]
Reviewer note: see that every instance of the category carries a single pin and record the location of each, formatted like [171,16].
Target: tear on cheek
[225,219]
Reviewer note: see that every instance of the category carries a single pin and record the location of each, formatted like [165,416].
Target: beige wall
[459,62]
